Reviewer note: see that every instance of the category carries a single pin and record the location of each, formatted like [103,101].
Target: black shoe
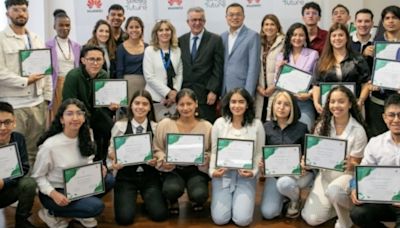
[174,208]
[197,207]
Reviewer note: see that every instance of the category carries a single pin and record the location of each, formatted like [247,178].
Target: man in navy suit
[242,52]
[203,61]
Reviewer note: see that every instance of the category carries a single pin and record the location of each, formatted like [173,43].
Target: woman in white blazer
[162,68]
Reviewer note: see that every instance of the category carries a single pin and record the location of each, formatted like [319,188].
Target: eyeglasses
[6,123]
[77,113]
[94,60]
[392,115]
[311,13]
[234,15]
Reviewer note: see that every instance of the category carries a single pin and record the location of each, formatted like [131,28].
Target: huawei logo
[94,3]
[173,2]
[253,1]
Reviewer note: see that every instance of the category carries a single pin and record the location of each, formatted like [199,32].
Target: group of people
[182,85]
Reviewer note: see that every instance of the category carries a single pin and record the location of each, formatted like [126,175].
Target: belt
[377,100]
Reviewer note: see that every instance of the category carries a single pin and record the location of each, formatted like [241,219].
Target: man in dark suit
[203,62]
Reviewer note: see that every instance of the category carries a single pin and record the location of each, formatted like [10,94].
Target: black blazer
[206,72]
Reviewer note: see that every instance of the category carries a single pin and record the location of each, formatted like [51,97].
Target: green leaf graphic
[396,197]
[380,64]
[380,47]
[296,170]
[339,166]
[286,69]
[99,187]
[312,141]
[352,28]
[48,71]
[119,142]
[25,54]
[124,101]
[173,139]
[199,159]
[363,172]
[149,156]
[247,166]
[269,151]
[222,143]
[16,171]
[325,89]
[69,174]
[98,85]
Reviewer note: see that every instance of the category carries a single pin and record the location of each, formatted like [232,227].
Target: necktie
[194,47]
[139,129]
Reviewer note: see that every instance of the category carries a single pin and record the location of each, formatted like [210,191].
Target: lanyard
[168,62]
[29,44]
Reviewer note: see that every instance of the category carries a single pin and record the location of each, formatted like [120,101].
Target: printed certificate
[325,88]
[83,181]
[386,74]
[35,61]
[378,184]
[325,152]
[235,153]
[282,160]
[293,80]
[133,149]
[10,162]
[107,91]
[185,148]
[386,50]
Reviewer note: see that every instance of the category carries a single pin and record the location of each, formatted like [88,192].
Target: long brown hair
[110,44]
[273,18]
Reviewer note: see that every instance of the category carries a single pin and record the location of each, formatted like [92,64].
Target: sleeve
[120,61]
[279,58]
[253,64]
[151,75]
[179,72]
[159,139]
[259,143]
[369,158]
[363,70]
[214,83]
[359,143]
[207,147]
[214,137]
[115,131]
[43,165]
[70,86]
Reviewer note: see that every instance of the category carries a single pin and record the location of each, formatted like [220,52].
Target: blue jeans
[233,197]
[275,190]
[88,207]
[307,113]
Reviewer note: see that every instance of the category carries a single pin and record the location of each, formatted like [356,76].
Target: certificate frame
[223,143]
[381,46]
[323,88]
[310,143]
[25,53]
[68,173]
[100,83]
[267,152]
[17,171]
[171,138]
[390,85]
[285,69]
[119,140]
[360,174]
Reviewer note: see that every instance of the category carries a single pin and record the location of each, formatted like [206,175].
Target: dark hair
[295,113]
[86,145]
[249,114]
[184,92]
[312,5]
[110,45]
[366,11]
[273,18]
[393,99]
[6,107]
[87,48]
[147,95]
[288,48]
[391,9]
[116,7]
[326,116]
[9,3]
[138,20]
[59,13]
[234,5]
[341,6]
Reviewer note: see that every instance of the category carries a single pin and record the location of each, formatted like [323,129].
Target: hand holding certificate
[10,162]
[293,80]
[280,160]
[185,149]
[235,153]
[385,74]
[325,152]
[110,91]
[35,61]
[378,184]
[133,149]
[83,181]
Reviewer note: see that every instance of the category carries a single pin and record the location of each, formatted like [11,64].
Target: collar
[135,124]
[200,35]
[9,32]
[237,31]
[356,40]
[320,33]
[352,123]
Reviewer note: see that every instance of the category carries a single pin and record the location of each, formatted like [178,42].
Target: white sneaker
[52,221]
[293,210]
[87,222]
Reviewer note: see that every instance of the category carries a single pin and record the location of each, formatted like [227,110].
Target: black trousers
[370,215]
